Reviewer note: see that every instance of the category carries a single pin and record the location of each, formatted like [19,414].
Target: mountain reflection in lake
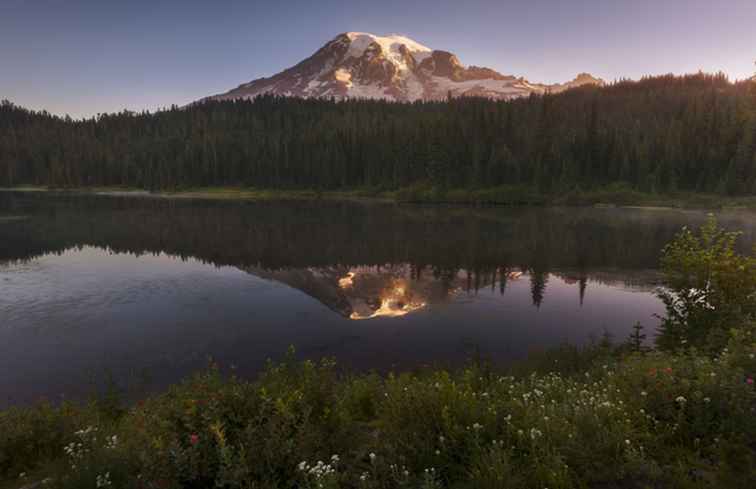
[147,289]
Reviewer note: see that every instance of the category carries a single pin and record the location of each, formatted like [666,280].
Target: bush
[710,289]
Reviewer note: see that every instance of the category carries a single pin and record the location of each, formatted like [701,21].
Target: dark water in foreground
[147,289]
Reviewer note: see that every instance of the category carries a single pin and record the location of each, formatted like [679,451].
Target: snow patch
[415,88]
[313,84]
[389,46]
[501,88]
[368,91]
[343,75]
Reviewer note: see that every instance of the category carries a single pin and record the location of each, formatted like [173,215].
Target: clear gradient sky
[82,57]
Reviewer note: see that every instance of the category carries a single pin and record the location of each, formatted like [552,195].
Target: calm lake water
[146,290]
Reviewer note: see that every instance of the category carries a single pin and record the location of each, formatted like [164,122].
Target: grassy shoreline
[501,196]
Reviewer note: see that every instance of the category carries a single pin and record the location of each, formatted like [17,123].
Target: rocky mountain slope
[396,68]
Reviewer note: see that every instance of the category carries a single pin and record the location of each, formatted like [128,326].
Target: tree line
[692,133]
[579,245]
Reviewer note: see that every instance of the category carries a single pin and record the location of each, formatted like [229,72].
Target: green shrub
[710,288]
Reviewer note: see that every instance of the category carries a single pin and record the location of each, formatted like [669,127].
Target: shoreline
[457,198]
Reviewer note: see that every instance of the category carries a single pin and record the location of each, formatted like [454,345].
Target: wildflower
[644,393]
[22,475]
[111,442]
[103,480]
[372,456]
[302,466]
[681,400]
[364,476]
[194,438]
[438,452]
[749,381]
[627,442]
[477,426]
[707,400]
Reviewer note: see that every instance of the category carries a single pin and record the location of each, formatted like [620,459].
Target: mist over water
[147,289]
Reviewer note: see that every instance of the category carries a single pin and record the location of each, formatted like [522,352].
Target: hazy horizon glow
[83,57]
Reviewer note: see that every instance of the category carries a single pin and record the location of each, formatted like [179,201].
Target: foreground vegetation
[659,135]
[605,416]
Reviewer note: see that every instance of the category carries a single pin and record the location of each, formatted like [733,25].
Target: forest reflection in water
[131,284]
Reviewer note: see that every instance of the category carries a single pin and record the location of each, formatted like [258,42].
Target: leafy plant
[710,288]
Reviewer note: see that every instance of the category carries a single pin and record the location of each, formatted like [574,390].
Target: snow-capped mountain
[394,67]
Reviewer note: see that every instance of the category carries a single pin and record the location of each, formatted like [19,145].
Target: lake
[144,291]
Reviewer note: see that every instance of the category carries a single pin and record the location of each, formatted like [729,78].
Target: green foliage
[710,288]
[614,144]
[637,338]
[656,419]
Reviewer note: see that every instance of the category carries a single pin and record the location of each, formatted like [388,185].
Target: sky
[83,57]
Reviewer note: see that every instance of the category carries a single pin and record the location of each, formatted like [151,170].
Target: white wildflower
[103,480]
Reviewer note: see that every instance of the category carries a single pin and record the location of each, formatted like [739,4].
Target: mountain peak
[389,43]
[391,67]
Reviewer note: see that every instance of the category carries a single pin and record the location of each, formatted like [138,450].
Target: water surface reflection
[150,288]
